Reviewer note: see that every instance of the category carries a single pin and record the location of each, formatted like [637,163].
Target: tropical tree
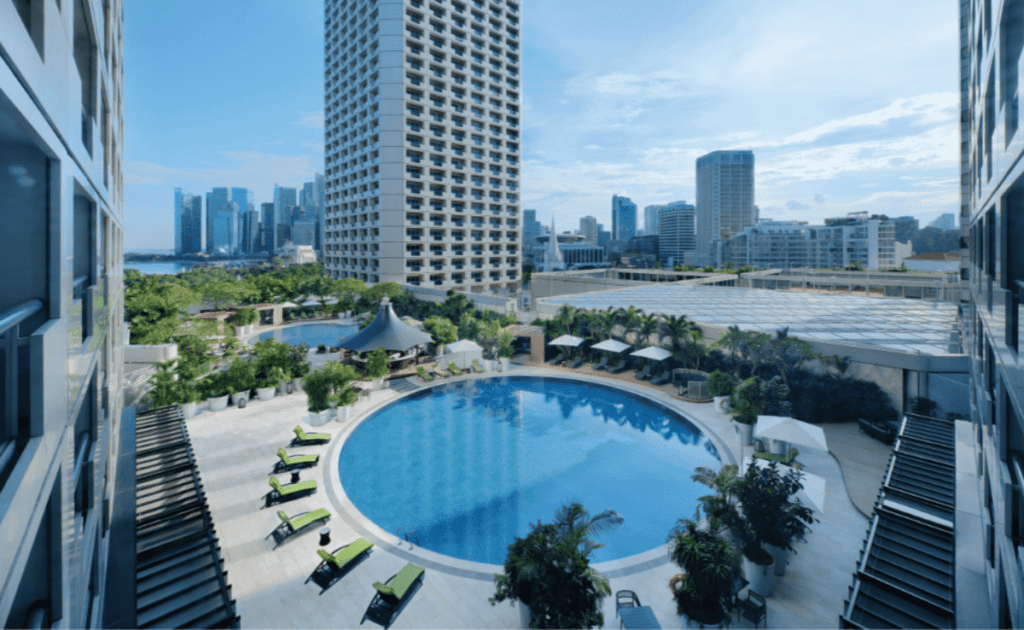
[441,329]
[647,326]
[749,345]
[788,354]
[156,309]
[348,290]
[630,320]
[710,564]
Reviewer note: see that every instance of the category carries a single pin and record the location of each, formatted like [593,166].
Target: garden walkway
[235,452]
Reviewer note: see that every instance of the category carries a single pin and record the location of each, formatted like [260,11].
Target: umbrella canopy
[813,493]
[386,330]
[790,430]
[567,340]
[464,345]
[288,305]
[611,345]
[315,302]
[652,352]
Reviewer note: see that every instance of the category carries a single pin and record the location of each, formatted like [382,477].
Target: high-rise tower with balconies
[423,142]
[725,197]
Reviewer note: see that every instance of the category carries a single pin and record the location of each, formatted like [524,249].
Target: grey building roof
[386,330]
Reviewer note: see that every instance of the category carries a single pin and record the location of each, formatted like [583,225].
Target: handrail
[79,281]
[18,314]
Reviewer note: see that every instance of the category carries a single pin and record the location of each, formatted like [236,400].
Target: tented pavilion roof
[386,330]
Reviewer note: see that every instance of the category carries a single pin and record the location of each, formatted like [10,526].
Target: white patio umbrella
[288,305]
[315,302]
[652,352]
[611,345]
[791,431]
[813,493]
[567,340]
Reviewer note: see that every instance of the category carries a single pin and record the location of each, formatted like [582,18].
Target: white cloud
[314,120]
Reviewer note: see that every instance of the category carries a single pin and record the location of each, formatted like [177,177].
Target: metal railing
[11,341]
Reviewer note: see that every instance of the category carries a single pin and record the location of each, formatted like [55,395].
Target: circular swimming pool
[312,335]
[468,466]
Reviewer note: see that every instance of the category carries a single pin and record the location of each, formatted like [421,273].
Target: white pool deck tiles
[907,325]
[236,450]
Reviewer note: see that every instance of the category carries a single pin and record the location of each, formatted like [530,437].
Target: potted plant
[318,389]
[268,383]
[756,396]
[549,574]
[321,349]
[189,398]
[505,351]
[298,366]
[240,381]
[377,366]
[771,520]
[344,398]
[244,318]
[215,387]
[710,564]
[720,386]
[165,388]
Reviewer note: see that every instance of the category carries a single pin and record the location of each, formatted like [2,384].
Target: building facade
[677,236]
[188,222]
[61,306]
[423,111]
[223,235]
[214,200]
[268,225]
[651,219]
[725,197]
[992,226]
[946,221]
[623,218]
[531,229]
[588,228]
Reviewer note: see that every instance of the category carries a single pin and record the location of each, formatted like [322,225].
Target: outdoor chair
[789,459]
[643,374]
[479,369]
[625,599]
[662,378]
[557,360]
[439,371]
[293,525]
[303,437]
[294,462]
[576,363]
[390,596]
[754,609]
[423,373]
[279,492]
[602,364]
[337,561]
[885,432]
[454,370]
[618,368]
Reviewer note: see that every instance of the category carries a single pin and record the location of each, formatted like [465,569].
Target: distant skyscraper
[224,237]
[438,137]
[319,195]
[188,222]
[268,225]
[623,218]
[214,200]
[284,198]
[906,227]
[676,233]
[725,196]
[245,199]
[531,228]
[251,234]
[588,228]
[651,219]
[946,221]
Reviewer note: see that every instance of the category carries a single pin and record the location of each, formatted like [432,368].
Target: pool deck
[236,450]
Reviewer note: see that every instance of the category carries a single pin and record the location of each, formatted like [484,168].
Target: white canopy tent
[790,431]
[462,353]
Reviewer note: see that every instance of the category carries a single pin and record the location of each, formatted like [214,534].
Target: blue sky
[847,106]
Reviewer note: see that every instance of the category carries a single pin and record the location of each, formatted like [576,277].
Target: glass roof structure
[901,324]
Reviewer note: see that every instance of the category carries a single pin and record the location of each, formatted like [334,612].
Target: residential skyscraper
[62,314]
[423,111]
[588,228]
[188,222]
[725,196]
[677,236]
[284,198]
[651,219]
[623,218]
[268,225]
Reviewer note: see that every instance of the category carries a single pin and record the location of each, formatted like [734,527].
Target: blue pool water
[312,334]
[470,465]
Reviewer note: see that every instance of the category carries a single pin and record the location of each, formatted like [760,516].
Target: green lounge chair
[344,556]
[423,374]
[389,596]
[788,460]
[454,370]
[290,489]
[439,371]
[298,460]
[293,525]
[477,367]
[302,436]
[619,367]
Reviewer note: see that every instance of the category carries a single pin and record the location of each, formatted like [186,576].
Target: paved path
[235,451]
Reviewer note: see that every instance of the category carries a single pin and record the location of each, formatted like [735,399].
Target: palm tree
[648,325]
[630,319]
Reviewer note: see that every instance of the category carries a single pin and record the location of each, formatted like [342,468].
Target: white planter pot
[189,410]
[282,388]
[322,418]
[721,404]
[504,361]
[524,614]
[265,393]
[240,398]
[220,403]
[344,413]
[746,433]
[781,556]
[378,383]
[296,385]
[762,579]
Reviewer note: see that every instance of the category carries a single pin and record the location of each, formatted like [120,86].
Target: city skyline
[847,127]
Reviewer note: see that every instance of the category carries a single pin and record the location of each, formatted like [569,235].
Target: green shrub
[377,363]
[721,383]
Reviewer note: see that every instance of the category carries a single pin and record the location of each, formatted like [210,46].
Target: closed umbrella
[652,352]
[791,431]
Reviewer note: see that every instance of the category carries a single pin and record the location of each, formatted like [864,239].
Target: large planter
[781,555]
[721,404]
[746,432]
[219,403]
[189,410]
[321,418]
[504,363]
[761,578]
[344,413]
[378,383]
[282,388]
[524,614]
[240,398]
[296,385]
[265,393]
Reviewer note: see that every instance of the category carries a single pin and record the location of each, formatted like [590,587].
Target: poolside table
[638,617]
